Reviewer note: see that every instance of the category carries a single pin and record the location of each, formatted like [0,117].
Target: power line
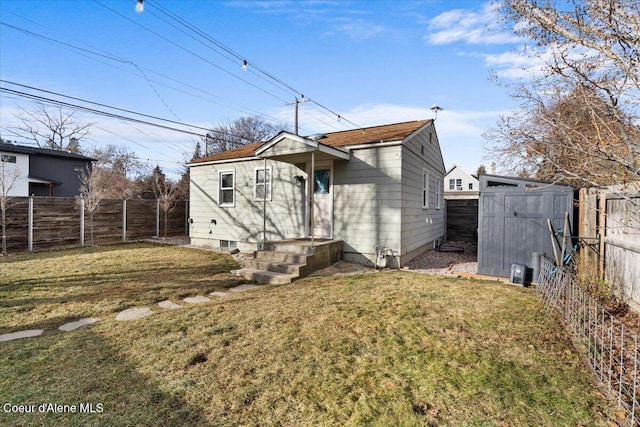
[94,111]
[190,51]
[24,94]
[109,56]
[106,55]
[236,55]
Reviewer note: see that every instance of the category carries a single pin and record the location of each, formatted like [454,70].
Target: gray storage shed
[512,221]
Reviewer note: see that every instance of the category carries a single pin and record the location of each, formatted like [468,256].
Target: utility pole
[295,103]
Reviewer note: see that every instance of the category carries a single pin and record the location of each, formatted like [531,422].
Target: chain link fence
[612,348]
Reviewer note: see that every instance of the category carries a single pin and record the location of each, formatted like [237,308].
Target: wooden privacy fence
[44,223]
[462,220]
[609,228]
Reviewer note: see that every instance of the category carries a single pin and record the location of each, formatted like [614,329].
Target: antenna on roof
[435,108]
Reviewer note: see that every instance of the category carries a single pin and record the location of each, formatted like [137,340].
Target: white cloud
[468,26]
[356,29]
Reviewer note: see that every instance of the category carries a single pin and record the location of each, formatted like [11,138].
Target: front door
[323,200]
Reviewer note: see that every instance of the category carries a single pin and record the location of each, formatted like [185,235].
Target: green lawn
[387,349]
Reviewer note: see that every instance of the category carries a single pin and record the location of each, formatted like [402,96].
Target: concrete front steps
[284,261]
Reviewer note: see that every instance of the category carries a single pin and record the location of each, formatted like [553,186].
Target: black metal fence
[612,348]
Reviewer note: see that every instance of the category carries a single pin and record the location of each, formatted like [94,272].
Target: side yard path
[125,315]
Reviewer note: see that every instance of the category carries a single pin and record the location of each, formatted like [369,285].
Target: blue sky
[371,62]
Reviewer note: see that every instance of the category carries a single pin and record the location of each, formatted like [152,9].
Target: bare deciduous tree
[233,134]
[166,192]
[8,178]
[57,129]
[579,119]
[117,158]
[94,187]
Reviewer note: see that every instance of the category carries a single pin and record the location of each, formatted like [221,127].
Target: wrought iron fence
[612,348]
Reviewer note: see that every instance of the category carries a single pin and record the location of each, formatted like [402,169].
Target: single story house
[379,186]
[42,171]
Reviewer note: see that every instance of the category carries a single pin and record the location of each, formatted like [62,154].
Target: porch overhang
[289,148]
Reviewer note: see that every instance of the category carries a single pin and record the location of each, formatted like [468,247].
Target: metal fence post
[124,220]
[82,221]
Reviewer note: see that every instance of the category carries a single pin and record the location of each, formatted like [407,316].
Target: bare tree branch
[8,178]
[56,128]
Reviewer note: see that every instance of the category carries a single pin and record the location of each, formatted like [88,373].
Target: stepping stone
[218,294]
[169,305]
[196,300]
[72,326]
[243,288]
[19,335]
[134,313]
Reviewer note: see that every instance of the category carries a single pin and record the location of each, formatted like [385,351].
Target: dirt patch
[439,262]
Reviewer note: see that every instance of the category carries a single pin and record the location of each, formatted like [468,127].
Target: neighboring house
[378,186]
[458,184]
[43,172]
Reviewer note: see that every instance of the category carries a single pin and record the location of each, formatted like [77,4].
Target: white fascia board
[283,136]
[335,152]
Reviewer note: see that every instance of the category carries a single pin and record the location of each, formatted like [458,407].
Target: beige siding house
[379,186]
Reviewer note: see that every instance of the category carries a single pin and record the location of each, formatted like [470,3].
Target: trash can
[518,274]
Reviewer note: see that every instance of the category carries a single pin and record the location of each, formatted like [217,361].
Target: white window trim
[438,190]
[268,182]
[232,204]
[452,184]
[425,189]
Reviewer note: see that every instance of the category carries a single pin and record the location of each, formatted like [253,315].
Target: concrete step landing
[284,261]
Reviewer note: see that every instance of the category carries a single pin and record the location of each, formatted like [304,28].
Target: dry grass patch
[381,349]
[44,290]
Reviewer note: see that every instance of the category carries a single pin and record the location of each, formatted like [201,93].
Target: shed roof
[369,135]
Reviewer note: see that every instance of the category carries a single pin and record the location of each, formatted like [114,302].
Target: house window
[227,188]
[438,190]
[78,168]
[425,189]
[228,245]
[262,184]
[6,158]
[458,184]
[471,186]
[321,181]
[452,184]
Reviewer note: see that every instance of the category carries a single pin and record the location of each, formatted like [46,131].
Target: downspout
[264,207]
[311,192]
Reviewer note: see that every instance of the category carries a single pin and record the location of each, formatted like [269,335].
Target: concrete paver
[169,305]
[134,313]
[218,294]
[72,326]
[21,334]
[196,300]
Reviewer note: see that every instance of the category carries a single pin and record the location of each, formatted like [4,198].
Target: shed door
[513,225]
